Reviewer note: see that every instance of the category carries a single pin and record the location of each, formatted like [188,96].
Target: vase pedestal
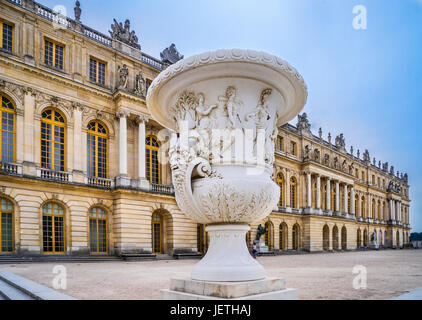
[266,289]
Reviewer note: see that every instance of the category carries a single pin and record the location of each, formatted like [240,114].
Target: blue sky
[366,84]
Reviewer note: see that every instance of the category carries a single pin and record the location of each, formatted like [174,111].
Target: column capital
[140,118]
[122,113]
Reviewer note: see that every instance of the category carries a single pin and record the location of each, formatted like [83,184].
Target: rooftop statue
[78,11]
[366,156]
[303,122]
[123,33]
[171,55]
[340,142]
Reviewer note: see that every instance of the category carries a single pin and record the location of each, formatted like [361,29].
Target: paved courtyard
[390,273]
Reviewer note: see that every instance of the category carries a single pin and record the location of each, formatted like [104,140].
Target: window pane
[7,37]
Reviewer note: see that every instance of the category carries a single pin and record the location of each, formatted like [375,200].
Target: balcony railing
[49,174]
[152,61]
[162,188]
[10,168]
[99,182]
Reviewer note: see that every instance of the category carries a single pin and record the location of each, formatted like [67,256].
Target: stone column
[318,192]
[392,216]
[328,195]
[308,189]
[352,199]
[337,209]
[143,182]
[123,178]
[27,132]
[345,199]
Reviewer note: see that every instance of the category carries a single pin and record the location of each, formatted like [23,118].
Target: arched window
[280,182]
[343,238]
[156,230]
[152,164]
[53,228]
[53,140]
[6,226]
[379,210]
[97,149]
[8,130]
[362,208]
[293,192]
[98,230]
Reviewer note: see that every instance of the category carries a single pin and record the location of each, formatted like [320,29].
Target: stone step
[13,284]
[9,292]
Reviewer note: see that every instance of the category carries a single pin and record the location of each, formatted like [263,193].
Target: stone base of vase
[266,289]
[228,257]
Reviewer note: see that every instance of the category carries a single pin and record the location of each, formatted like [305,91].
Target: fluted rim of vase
[225,56]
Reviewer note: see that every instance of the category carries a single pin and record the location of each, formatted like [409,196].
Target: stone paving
[390,273]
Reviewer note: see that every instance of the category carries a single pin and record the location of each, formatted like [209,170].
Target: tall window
[147,85]
[324,197]
[200,238]
[362,208]
[280,182]
[97,71]
[97,230]
[53,145]
[53,54]
[314,195]
[356,204]
[7,132]
[333,198]
[349,205]
[156,230]
[6,36]
[97,150]
[293,150]
[6,226]
[280,143]
[373,209]
[293,192]
[152,164]
[53,228]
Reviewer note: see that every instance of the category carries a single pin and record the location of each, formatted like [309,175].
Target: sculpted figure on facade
[170,55]
[140,84]
[123,73]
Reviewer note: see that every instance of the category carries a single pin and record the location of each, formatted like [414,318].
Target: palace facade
[83,166]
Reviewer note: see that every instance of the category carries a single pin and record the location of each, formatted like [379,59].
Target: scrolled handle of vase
[226,107]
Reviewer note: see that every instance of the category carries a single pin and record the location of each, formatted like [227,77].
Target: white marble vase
[225,108]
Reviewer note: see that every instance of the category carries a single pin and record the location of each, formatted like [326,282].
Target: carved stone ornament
[123,34]
[341,143]
[226,117]
[140,84]
[170,55]
[303,124]
[123,73]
